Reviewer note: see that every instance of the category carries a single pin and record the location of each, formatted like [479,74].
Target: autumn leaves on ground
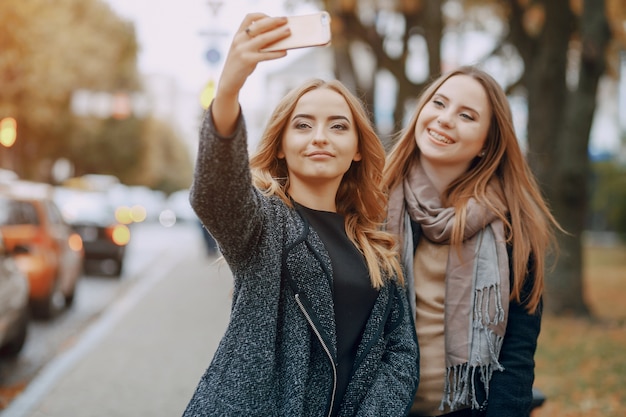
[581,363]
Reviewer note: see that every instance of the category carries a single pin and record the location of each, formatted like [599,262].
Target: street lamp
[8,131]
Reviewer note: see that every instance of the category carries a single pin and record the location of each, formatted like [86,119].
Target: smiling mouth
[439,137]
[319,154]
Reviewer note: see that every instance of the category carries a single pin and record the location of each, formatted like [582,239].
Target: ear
[482,153]
[357,157]
[280,154]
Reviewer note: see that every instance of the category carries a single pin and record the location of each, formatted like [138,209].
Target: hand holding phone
[306,30]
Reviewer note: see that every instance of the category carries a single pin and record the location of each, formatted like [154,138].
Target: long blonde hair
[360,197]
[529,224]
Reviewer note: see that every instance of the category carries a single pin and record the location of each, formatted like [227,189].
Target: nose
[319,137]
[444,120]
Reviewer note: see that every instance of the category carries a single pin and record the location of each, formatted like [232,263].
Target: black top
[353,294]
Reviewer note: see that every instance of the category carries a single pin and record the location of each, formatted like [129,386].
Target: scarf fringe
[483,315]
[460,385]
[460,380]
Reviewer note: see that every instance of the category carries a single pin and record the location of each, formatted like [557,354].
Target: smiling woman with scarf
[474,233]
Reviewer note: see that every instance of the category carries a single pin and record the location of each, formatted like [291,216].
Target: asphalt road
[95,294]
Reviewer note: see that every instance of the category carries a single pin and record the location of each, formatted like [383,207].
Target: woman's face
[320,140]
[452,127]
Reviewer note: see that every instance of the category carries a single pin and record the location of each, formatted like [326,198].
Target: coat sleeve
[394,385]
[222,194]
[510,392]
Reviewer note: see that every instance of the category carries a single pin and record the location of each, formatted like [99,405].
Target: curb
[24,404]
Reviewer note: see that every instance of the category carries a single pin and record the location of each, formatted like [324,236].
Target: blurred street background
[101,256]
[131,346]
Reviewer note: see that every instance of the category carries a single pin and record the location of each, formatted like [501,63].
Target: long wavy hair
[529,224]
[360,197]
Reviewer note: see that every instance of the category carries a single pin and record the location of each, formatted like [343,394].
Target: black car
[92,215]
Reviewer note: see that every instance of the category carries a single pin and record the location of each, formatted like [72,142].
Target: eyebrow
[463,107]
[311,117]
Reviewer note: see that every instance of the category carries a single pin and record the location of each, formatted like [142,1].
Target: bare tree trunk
[559,123]
[430,19]
[547,93]
[569,190]
[344,17]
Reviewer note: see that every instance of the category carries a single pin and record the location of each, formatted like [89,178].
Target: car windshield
[15,212]
[86,208]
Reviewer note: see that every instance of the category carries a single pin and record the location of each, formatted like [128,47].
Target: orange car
[52,254]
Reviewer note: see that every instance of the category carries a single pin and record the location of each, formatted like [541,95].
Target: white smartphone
[306,30]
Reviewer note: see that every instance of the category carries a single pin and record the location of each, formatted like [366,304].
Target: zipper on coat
[330,357]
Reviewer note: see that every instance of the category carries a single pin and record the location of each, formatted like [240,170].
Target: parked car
[141,203]
[92,215]
[52,255]
[14,310]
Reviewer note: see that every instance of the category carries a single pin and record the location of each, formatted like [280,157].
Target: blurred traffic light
[8,131]
[207,94]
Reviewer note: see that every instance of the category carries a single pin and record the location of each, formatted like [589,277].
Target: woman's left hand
[256,31]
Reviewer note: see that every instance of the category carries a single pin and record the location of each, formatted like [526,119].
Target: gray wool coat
[278,355]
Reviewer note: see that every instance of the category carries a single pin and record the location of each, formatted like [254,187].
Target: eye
[339,126]
[467,116]
[302,125]
[438,103]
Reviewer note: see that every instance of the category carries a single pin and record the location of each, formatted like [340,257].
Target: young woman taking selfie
[320,322]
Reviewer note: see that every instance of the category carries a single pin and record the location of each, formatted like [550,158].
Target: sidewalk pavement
[146,354]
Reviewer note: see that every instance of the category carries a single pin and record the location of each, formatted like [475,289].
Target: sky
[174,38]
[175,35]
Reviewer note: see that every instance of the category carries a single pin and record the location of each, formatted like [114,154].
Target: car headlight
[119,234]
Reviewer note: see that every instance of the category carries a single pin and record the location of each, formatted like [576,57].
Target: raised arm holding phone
[320,323]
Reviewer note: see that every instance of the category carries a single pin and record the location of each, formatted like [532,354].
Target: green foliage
[166,163]
[608,196]
[111,138]
[48,51]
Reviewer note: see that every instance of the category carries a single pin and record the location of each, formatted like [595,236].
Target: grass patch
[581,363]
